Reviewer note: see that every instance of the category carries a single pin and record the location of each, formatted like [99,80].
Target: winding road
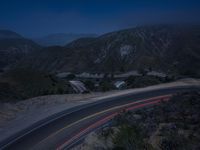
[68,128]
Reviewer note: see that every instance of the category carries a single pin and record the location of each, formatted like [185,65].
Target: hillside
[171,49]
[20,84]
[172,125]
[13,47]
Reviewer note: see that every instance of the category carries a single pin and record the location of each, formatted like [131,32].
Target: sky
[35,18]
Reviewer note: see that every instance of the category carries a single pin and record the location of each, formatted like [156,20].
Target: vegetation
[142,81]
[71,76]
[173,125]
[105,85]
[26,83]
[90,85]
[147,51]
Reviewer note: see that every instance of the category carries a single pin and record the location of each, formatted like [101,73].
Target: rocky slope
[167,48]
[13,47]
[173,125]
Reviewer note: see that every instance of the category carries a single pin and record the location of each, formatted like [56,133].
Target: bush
[71,76]
[142,81]
[106,86]
[130,80]
[130,137]
[173,125]
[31,83]
[90,85]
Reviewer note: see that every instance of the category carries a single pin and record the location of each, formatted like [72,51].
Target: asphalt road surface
[68,128]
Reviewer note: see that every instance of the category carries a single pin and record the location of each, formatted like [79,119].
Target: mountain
[167,48]
[60,39]
[7,34]
[13,47]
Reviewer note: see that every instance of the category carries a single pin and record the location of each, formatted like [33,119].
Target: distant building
[63,74]
[127,74]
[90,75]
[120,84]
[157,74]
[78,86]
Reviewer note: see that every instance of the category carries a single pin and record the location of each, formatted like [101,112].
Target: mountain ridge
[171,49]
[13,47]
[8,34]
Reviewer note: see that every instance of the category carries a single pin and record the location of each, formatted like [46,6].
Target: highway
[68,128]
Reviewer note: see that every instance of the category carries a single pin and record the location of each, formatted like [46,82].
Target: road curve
[69,143]
[63,130]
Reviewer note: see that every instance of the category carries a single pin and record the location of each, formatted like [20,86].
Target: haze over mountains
[60,39]
[14,47]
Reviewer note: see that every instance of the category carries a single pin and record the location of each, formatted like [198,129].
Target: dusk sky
[34,18]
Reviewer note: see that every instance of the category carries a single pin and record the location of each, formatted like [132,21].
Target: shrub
[71,76]
[106,86]
[90,85]
[142,81]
